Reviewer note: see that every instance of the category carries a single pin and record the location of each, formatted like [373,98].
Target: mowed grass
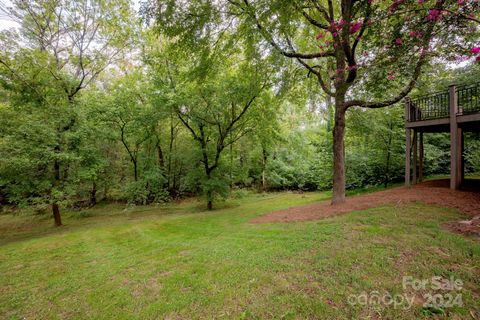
[181,262]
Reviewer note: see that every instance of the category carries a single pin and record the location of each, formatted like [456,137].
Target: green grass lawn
[180,262]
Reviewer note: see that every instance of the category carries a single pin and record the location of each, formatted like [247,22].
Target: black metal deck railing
[468,98]
[436,105]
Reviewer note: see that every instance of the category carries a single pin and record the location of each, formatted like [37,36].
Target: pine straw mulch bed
[434,192]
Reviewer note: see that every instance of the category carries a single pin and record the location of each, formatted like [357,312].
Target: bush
[150,189]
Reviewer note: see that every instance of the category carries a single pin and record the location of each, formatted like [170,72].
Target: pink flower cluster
[391,75]
[395,5]
[335,27]
[415,34]
[476,50]
[348,68]
[355,27]
[434,15]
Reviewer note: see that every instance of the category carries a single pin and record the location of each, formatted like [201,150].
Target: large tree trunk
[339,153]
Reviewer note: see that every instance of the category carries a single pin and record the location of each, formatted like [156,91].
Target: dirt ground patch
[431,192]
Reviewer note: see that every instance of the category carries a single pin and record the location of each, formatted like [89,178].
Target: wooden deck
[456,111]
[468,122]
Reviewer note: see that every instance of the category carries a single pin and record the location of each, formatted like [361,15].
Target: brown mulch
[434,192]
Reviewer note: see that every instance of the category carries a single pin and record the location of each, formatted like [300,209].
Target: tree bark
[56,215]
[135,173]
[55,209]
[161,160]
[387,165]
[93,194]
[264,166]
[170,150]
[339,153]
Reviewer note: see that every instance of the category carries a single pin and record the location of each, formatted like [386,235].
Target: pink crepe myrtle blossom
[395,5]
[420,1]
[434,15]
[415,34]
[477,58]
[336,26]
[475,50]
[398,41]
[391,75]
[355,27]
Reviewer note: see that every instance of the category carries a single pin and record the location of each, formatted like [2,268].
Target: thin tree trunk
[56,214]
[170,150]
[93,194]
[231,166]
[208,171]
[387,165]
[161,161]
[339,153]
[210,202]
[135,174]
[264,165]
[55,208]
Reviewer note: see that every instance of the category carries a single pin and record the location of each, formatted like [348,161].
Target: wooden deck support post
[421,158]
[462,163]
[408,141]
[455,141]
[415,157]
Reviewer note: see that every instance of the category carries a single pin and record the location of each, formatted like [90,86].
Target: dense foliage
[96,105]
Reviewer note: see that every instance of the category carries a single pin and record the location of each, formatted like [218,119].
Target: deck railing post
[415,157]
[455,140]
[407,142]
[421,155]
